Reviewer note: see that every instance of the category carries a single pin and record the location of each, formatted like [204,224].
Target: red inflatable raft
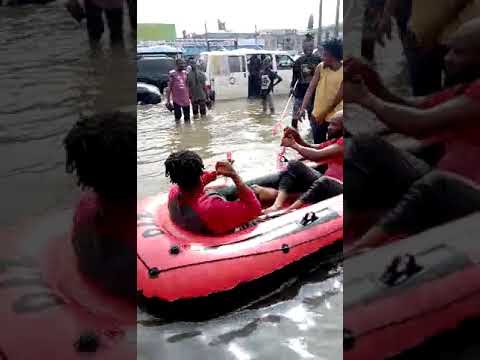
[52,311]
[173,264]
[400,295]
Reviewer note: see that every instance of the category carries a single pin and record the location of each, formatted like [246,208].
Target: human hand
[384,27]
[300,114]
[225,168]
[288,141]
[291,132]
[355,91]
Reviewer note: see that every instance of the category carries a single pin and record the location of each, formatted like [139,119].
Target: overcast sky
[239,16]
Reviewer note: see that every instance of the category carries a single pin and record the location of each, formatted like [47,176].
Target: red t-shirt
[218,215]
[335,165]
[110,222]
[462,145]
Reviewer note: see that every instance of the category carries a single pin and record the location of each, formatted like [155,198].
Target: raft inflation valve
[174,250]
[87,342]
[309,218]
[400,269]
[153,272]
[285,248]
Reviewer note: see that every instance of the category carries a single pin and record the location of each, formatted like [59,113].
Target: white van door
[284,68]
[238,78]
[228,76]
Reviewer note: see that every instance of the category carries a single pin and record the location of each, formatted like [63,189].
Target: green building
[156,32]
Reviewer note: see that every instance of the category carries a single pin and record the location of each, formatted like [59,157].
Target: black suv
[154,69]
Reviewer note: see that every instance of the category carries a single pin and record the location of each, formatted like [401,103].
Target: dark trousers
[177,110]
[300,178]
[95,24]
[319,131]
[199,105]
[132,13]
[380,176]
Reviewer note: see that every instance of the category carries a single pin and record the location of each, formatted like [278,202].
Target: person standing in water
[178,91]
[254,68]
[327,87]
[269,79]
[303,71]
[197,84]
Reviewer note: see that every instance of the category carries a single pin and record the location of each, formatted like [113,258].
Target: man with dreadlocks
[193,209]
[326,86]
[101,150]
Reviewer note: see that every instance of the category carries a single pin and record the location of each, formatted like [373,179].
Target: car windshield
[155,65]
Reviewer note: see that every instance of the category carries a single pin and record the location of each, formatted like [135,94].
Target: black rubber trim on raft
[239,256]
[419,315]
[279,285]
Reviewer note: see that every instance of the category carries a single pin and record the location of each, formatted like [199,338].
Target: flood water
[307,324]
[49,77]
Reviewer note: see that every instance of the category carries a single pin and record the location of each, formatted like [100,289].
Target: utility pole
[206,37]
[337,19]
[319,34]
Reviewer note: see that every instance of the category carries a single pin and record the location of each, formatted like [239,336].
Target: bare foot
[271,209]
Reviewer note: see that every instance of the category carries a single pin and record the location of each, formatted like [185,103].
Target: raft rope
[279,124]
[281,249]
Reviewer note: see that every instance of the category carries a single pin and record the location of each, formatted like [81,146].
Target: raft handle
[309,218]
[285,248]
[154,272]
[88,342]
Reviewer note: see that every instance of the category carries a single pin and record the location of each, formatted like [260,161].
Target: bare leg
[266,195]
[279,201]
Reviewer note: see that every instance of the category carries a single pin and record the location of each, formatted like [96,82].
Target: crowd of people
[187,85]
[317,86]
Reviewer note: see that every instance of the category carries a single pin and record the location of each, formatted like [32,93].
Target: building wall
[156,32]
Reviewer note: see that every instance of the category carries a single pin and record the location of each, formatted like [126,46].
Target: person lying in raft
[102,152]
[300,178]
[196,210]
[419,196]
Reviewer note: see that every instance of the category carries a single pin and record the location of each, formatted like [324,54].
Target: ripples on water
[48,77]
[306,326]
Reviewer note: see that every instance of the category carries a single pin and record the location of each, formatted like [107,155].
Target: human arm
[278,78]
[208,177]
[318,155]
[291,132]
[295,77]
[169,93]
[229,215]
[385,24]
[459,111]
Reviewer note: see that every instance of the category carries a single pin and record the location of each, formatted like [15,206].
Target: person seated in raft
[450,115]
[196,210]
[300,178]
[102,151]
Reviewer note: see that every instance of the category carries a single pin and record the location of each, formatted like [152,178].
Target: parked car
[148,94]
[154,69]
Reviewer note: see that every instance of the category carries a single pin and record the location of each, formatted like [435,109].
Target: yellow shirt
[470,12]
[327,88]
[433,21]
